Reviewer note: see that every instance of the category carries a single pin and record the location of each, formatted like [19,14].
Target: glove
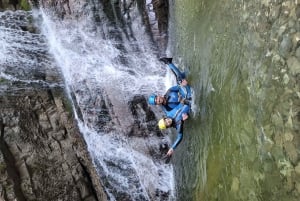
[185,101]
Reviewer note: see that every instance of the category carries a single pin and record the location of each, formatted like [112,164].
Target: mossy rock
[2,167]
[25,5]
[2,80]
[15,5]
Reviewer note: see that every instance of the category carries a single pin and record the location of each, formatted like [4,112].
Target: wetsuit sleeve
[172,89]
[164,109]
[179,129]
[185,92]
[189,93]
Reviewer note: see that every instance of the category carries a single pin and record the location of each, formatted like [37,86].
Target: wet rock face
[42,154]
[14,5]
[154,15]
[145,120]
[8,4]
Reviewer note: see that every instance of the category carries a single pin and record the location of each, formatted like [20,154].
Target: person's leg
[179,75]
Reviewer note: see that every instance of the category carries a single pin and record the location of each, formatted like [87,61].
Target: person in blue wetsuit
[175,118]
[169,101]
[175,94]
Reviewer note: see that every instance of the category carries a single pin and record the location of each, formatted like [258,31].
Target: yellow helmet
[162,124]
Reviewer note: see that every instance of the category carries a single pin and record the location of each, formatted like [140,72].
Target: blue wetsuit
[184,91]
[172,99]
[177,122]
[176,93]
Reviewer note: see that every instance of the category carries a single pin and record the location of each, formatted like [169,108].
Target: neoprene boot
[166,60]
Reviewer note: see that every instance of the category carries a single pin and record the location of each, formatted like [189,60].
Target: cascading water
[23,59]
[98,70]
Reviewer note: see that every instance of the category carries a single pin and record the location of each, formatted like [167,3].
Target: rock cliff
[42,154]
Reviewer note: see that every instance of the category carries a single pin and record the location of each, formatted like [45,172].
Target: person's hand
[185,116]
[184,101]
[170,152]
[184,82]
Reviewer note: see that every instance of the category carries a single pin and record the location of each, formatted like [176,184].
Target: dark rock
[297,11]
[286,46]
[145,121]
[41,165]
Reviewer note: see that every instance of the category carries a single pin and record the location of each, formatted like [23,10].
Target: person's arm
[185,116]
[185,110]
[185,92]
[172,89]
[178,140]
[179,128]
[185,101]
[164,109]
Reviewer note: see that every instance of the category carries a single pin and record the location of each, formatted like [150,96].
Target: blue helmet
[151,99]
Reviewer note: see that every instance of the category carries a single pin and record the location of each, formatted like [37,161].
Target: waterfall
[103,72]
[23,59]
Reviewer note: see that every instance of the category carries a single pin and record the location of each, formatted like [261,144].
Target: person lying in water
[176,94]
[175,119]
